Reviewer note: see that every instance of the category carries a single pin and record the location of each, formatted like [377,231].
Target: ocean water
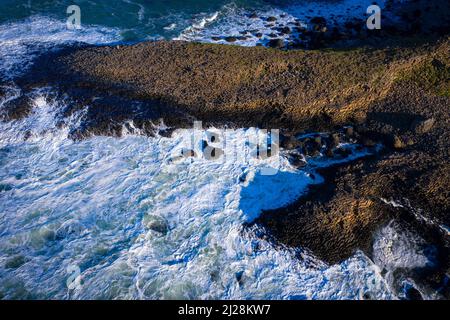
[128,218]
[139,20]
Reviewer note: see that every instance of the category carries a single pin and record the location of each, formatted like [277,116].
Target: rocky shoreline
[397,96]
[314,31]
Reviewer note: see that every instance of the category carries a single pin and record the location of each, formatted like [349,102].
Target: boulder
[17,108]
[156,223]
[285,30]
[318,21]
[276,43]
[231,39]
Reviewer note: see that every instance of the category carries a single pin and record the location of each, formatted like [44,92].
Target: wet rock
[290,143]
[367,142]
[285,30]
[355,25]
[329,152]
[316,40]
[156,223]
[297,160]
[5,187]
[335,139]
[349,131]
[412,293]
[300,29]
[318,21]
[48,234]
[68,229]
[271,19]
[216,38]
[312,147]
[231,39]
[276,43]
[16,109]
[343,152]
[15,262]
[253,16]
[2,92]
[259,35]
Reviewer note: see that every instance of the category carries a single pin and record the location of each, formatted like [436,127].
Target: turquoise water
[137,19]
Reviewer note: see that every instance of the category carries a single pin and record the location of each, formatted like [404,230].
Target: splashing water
[139,226]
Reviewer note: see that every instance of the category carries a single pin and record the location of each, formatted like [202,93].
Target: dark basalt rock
[318,21]
[285,30]
[276,43]
[3,93]
[231,39]
[157,224]
[16,109]
[15,262]
[271,19]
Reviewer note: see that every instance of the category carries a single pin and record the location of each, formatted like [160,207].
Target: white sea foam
[20,42]
[95,204]
[396,249]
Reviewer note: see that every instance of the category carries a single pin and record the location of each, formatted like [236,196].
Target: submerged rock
[318,21]
[3,93]
[231,39]
[16,109]
[156,223]
[285,30]
[15,262]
